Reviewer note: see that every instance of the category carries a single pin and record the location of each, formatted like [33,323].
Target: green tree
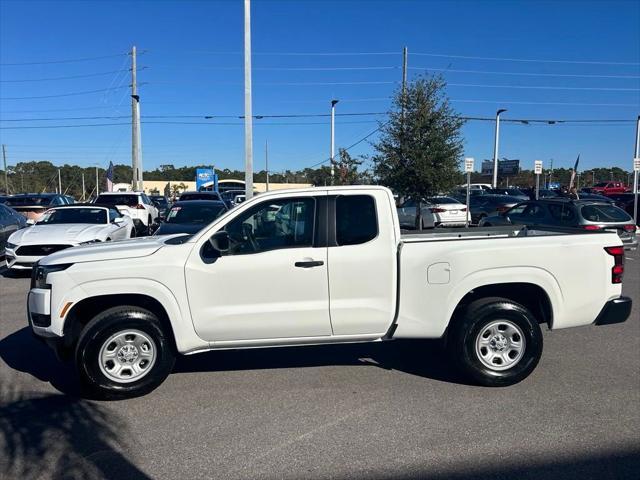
[347,169]
[419,150]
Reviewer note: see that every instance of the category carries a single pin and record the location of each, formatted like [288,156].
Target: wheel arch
[530,295]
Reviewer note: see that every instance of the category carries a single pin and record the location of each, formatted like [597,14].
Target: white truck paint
[389,286]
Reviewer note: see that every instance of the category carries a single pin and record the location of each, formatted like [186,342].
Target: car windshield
[194,214]
[27,201]
[128,200]
[199,196]
[604,213]
[159,201]
[601,184]
[74,215]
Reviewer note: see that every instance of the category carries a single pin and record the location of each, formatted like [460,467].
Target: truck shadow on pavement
[424,358]
[56,436]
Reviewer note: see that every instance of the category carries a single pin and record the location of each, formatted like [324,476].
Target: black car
[190,216]
[483,206]
[10,221]
[33,205]
[161,203]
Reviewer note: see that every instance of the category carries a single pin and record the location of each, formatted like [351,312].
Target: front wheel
[123,352]
[496,342]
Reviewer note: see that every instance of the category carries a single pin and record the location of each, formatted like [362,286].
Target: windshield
[96,216]
[441,200]
[128,200]
[601,184]
[194,214]
[199,196]
[27,201]
[160,201]
[604,213]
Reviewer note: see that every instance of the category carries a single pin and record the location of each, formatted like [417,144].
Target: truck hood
[138,247]
[71,233]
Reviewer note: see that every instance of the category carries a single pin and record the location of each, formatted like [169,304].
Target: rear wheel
[123,352]
[496,342]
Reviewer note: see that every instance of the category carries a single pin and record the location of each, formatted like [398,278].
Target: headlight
[10,245]
[40,272]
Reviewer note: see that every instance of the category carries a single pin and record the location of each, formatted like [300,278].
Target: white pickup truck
[320,266]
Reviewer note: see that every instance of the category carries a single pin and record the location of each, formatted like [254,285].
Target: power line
[86,92]
[24,80]
[576,104]
[533,60]
[531,74]
[542,87]
[73,60]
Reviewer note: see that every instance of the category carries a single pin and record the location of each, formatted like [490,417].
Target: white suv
[136,204]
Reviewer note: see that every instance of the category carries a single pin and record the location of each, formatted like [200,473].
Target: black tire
[149,230]
[479,315]
[103,326]
[133,233]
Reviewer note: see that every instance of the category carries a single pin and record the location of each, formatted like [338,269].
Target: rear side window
[604,213]
[356,220]
[562,213]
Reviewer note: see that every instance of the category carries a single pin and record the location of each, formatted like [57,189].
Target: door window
[271,225]
[533,212]
[356,220]
[562,213]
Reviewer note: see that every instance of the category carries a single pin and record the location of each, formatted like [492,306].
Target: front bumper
[614,311]
[39,312]
[20,262]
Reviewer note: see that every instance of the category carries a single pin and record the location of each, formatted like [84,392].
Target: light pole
[333,120]
[495,148]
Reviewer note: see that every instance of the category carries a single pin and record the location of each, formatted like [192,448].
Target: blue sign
[206,179]
[553,186]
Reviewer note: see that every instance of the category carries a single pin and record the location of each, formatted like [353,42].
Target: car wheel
[133,233]
[123,352]
[496,342]
[148,229]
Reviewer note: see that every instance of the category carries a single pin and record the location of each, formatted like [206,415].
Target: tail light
[630,228]
[139,207]
[591,227]
[463,209]
[617,271]
[437,210]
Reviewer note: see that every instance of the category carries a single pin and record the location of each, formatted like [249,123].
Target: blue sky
[193,67]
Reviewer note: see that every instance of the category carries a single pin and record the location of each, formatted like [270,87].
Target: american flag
[110,177]
[574,172]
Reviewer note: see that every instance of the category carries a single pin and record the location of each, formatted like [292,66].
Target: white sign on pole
[636,164]
[538,167]
[468,165]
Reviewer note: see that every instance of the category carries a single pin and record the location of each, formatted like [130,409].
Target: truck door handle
[309,263]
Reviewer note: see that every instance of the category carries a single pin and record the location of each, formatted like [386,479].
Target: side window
[356,220]
[534,211]
[145,199]
[556,212]
[271,225]
[518,209]
[113,214]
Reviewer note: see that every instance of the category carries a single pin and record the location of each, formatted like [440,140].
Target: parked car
[238,199]
[123,310]
[64,227]
[10,221]
[229,196]
[190,216]
[33,205]
[3,199]
[607,188]
[161,203]
[204,195]
[135,204]
[435,211]
[595,196]
[584,214]
[512,192]
[488,205]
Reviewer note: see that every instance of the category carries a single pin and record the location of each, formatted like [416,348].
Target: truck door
[362,262]
[272,283]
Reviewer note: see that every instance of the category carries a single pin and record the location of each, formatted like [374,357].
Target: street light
[495,148]
[333,112]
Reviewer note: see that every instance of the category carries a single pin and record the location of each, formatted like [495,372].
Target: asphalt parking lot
[362,411]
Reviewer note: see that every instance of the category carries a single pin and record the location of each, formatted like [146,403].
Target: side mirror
[220,241]
[118,220]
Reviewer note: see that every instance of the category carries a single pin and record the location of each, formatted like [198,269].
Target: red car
[607,188]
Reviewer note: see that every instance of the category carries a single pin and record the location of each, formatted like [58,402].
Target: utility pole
[6,178]
[136,161]
[266,161]
[83,189]
[496,141]
[332,150]
[248,116]
[636,167]
[550,173]
[59,183]
[97,186]
[405,54]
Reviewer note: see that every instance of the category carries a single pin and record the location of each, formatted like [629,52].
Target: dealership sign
[505,167]
[205,177]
